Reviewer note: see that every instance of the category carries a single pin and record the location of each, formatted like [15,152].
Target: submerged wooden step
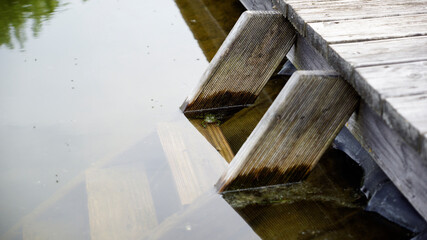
[120,203]
[294,133]
[242,66]
[194,163]
[213,133]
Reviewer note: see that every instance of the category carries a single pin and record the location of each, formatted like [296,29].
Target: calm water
[93,145]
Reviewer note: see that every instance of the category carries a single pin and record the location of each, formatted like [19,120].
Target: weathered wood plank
[194,163]
[321,11]
[119,202]
[408,115]
[397,82]
[370,29]
[293,134]
[401,163]
[213,133]
[348,57]
[257,5]
[243,64]
[304,57]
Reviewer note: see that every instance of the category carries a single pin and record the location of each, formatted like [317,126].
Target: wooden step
[213,133]
[119,202]
[194,163]
[242,66]
[294,133]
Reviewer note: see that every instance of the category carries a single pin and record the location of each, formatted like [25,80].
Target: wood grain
[257,5]
[194,163]
[213,133]
[401,163]
[293,134]
[371,29]
[244,63]
[119,202]
[327,10]
[304,57]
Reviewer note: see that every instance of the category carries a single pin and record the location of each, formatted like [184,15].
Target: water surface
[93,145]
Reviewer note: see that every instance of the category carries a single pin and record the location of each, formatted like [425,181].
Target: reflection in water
[210,21]
[16,14]
[327,205]
[133,176]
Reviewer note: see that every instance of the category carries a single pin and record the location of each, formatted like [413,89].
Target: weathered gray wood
[370,29]
[401,163]
[293,134]
[194,163]
[321,11]
[397,91]
[408,115]
[119,203]
[257,5]
[304,57]
[243,64]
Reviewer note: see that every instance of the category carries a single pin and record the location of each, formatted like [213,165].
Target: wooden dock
[380,48]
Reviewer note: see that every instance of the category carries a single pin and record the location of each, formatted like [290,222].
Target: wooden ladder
[301,123]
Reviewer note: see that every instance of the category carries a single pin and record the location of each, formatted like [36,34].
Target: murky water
[93,145]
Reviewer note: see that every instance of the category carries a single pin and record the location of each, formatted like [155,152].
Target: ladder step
[120,203]
[213,133]
[294,133]
[242,66]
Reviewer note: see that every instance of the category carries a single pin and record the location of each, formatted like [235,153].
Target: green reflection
[16,15]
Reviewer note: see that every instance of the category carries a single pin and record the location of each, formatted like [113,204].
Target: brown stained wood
[400,162]
[244,63]
[293,134]
[119,202]
[194,163]
[213,133]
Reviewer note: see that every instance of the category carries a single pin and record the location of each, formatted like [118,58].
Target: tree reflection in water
[16,15]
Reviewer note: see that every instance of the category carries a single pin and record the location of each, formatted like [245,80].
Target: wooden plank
[322,11]
[401,163]
[119,202]
[194,163]
[244,63]
[408,114]
[213,133]
[304,57]
[257,5]
[371,29]
[387,87]
[348,57]
[44,230]
[294,133]
[395,80]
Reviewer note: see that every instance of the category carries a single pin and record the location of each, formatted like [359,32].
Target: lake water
[93,144]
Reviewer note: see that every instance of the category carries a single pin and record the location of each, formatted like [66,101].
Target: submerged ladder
[300,124]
